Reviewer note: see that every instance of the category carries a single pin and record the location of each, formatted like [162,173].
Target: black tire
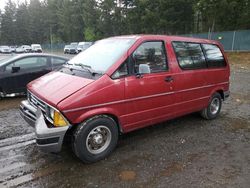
[88,133]
[214,107]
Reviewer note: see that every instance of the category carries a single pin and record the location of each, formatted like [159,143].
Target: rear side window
[189,55]
[57,61]
[29,63]
[214,56]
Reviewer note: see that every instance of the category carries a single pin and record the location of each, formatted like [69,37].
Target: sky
[3,3]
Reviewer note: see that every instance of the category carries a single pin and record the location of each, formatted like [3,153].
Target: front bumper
[47,139]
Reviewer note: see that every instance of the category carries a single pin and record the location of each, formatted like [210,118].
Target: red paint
[135,102]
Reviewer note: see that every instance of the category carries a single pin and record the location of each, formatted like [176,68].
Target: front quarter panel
[104,96]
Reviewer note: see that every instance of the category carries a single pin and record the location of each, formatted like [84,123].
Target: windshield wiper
[88,68]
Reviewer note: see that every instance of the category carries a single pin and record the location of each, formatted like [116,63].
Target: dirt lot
[185,152]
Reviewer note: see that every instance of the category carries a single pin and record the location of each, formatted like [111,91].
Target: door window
[189,55]
[27,63]
[150,57]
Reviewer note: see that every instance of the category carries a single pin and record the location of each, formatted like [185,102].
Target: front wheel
[214,107]
[95,139]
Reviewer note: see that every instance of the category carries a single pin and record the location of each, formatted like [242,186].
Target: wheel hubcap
[98,139]
[214,106]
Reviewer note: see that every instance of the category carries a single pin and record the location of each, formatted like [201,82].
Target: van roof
[168,37]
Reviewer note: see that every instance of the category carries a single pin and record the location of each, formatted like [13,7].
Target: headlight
[51,112]
[55,117]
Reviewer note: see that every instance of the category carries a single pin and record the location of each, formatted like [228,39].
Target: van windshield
[103,54]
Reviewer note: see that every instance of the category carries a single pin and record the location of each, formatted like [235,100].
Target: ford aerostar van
[124,83]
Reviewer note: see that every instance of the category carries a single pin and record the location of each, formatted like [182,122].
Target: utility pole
[50,39]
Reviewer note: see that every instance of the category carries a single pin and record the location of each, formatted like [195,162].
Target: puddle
[238,124]
[175,167]
[127,175]
[10,102]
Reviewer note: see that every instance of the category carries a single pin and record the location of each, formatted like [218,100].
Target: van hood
[56,86]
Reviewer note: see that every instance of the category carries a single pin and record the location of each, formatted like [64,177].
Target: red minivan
[124,83]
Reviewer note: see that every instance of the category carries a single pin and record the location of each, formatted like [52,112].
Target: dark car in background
[17,71]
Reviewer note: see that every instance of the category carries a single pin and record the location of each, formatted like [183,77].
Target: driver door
[149,91]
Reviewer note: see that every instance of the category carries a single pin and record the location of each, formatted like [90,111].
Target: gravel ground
[185,152]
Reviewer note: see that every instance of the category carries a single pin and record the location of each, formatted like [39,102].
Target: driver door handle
[169,79]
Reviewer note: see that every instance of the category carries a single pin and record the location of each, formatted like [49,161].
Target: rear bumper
[47,139]
[226,94]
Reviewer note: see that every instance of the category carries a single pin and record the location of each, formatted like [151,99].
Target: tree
[70,20]
[220,15]
[38,29]
[23,24]
[8,26]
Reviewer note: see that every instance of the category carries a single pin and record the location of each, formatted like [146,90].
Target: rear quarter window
[189,55]
[214,55]
[57,61]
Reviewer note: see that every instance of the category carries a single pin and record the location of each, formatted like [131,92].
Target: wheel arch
[219,90]
[1,92]
[99,112]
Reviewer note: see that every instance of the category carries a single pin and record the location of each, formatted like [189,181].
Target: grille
[36,102]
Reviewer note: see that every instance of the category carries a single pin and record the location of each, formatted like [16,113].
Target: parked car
[12,49]
[36,48]
[26,48]
[5,49]
[83,46]
[124,83]
[73,48]
[17,71]
[66,49]
[20,49]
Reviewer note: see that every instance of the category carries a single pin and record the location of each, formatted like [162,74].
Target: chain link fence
[231,40]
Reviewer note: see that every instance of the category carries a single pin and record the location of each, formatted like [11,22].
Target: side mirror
[15,69]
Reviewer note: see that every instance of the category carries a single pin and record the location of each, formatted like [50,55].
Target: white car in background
[83,46]
[5,49]
[36,48]
[66,49]
[26,48]
[20,49]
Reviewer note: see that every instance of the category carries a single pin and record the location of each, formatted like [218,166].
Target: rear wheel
[214,107]
[95,139]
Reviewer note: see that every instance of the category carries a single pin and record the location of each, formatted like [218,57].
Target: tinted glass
[57,61]
[214,56]
[189,55]
[27,63]
[152,56]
